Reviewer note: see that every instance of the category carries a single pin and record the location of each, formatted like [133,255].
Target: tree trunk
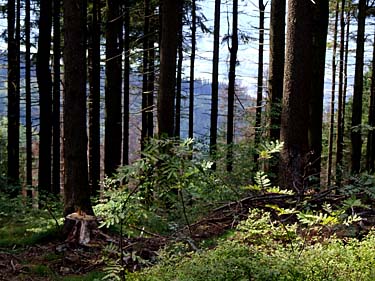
[320,18]
[29,140]
[13,101]
[179,71]
[45,95]
[297,79]
[94,99]
[370,152]
[340,117]
[192,67]
[167,79]
[56,98]
[215,83]
[146,61]
[346,66]
[258,114]
[125,145]
[231,85]
[276,68]
[113,94]
[356,138]
[76,189]
[333,93]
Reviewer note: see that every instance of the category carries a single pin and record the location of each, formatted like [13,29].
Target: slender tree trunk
[297,87]
[346,66]
[45,95]
[192,67]
[150,86]
[340,117]
[358,91]
[333,93]
[56,97]
[125,146]
[232,85]
[146,73]
[215,83]
[276,68]
[13,101]
[179,72]
[113,94]
[258,114]
[29,140]
[320,17]
[167,79]
[76,188]
[94,99]
[370,152]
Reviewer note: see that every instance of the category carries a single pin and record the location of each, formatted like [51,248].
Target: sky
[246,71]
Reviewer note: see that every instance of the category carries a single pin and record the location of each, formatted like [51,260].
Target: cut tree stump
[79,228]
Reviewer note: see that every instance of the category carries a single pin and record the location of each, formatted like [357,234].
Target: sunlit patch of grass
[19,234]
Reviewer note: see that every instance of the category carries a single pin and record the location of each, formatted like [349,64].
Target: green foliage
[23,225]
[270,148]
[264,249]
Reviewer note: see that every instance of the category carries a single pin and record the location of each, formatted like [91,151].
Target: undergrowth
[263,249]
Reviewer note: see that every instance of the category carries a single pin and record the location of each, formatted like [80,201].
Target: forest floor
[57,259]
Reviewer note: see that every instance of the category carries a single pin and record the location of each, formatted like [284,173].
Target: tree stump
[79,227]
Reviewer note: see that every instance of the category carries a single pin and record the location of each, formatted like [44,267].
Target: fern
[262,180]
[270,148]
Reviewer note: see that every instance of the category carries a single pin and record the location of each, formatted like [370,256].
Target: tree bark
[370,152]
[45,95]
[177,127]
[333,93]
[297,77]
[276,68]
[167,79]
[56,97]
[231,85]
[215,83]
[13,101]
[356,138]
[113,94]
[258,111]
[94,99]
[340,116]
[192,67]
[29,153]
[76,188]
[320,21]
[125,145]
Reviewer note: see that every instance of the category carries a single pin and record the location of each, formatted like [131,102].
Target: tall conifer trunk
[76,188]
[258,114]
[231,85]
[297,79]
[13,101]
[276,68]
[125,145]
[333,93]
[340,116]
[320,22]
[56,98]
[192,67]
[113,93]
[370,152]
[356,137]
[94,99]
[45,95]
[215,83]
[167,79]
[29,155]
